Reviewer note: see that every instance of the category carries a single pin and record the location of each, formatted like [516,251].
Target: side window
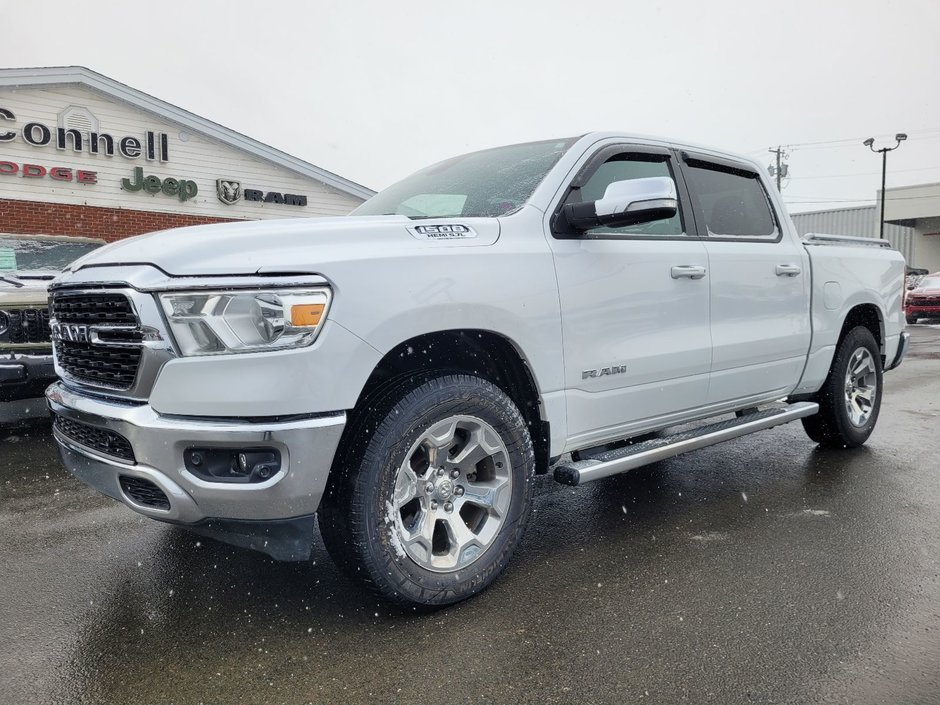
[623,167]
[734,204]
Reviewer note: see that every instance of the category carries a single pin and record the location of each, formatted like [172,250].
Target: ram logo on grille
[71,333]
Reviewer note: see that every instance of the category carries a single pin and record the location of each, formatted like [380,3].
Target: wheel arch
[867,315]
[480,352]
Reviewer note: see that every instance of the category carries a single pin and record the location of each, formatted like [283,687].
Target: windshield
[29,254]
[480,184]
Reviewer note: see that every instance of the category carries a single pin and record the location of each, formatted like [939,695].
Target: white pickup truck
[583,306]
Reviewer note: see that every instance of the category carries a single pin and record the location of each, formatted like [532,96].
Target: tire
[849,404]
[912,319]
[432,492]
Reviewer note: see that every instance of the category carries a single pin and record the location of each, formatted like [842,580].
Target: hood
[295,245]
[23,280]
[927,286]
[24,289]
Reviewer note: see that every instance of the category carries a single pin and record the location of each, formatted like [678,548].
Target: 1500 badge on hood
[442,232]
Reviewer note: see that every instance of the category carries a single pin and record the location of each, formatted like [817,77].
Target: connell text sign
[153,146]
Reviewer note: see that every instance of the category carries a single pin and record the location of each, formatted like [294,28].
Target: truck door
[634,305]
[760,297]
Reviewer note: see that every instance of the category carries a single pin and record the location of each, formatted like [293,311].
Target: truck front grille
[112,361]
[26,325]
[100,365]
[927,301]
[99,439]
[93,309]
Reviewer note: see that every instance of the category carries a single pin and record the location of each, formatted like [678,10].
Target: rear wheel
[429,509]
[911,319]
[850,398]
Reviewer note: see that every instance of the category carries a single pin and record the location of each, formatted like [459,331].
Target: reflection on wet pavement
[761,570]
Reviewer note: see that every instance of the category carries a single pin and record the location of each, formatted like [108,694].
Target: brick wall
[110,224]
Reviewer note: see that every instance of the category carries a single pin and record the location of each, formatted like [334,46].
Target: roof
[909,186]
[71,239]
[79,75]
[834,210]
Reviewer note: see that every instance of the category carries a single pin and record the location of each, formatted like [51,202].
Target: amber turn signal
[306,315]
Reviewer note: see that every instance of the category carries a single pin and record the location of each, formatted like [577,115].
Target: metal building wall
[861,222]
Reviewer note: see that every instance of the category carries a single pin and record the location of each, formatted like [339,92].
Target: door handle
[787,270]
[687,271]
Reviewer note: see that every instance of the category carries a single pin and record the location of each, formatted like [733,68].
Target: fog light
[232,465]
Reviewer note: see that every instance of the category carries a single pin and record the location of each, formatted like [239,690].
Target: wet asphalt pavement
[762,570]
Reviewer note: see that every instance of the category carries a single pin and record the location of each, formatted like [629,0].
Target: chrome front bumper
[307,447]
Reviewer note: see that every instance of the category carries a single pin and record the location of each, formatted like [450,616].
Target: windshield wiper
[9,280]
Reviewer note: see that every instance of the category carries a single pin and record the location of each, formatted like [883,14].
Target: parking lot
[761,570]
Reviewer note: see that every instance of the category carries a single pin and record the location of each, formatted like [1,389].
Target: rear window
[25,254]
[734,205]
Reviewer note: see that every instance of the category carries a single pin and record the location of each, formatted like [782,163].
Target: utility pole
[780,171]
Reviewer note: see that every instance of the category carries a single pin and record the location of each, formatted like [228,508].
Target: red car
[924,300]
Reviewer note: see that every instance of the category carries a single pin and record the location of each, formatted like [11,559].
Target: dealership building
[859,221]
[912,223]
[84,155]
[917,208]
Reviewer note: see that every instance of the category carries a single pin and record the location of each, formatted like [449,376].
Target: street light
[900,137]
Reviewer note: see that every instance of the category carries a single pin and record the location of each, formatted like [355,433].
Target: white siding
[198,159]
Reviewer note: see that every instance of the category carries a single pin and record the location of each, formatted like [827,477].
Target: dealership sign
[58,173]
[153,145]
[184,189]
[149,144]
[230,192]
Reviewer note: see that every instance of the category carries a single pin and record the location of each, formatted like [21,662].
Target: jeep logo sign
[184,189]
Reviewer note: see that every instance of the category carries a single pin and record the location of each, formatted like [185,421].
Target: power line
[820,199]
[824,144]
[799,145]
[841,144]
[831,200]
[866,173]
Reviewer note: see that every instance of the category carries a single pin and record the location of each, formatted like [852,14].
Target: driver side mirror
[626,203]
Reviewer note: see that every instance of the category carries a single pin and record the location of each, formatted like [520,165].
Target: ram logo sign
[70,333]
[604,372]
[230,192]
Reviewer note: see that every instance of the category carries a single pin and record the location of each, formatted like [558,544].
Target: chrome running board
[594,466]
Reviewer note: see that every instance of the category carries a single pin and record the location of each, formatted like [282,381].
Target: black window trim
[693,160]
[601,155]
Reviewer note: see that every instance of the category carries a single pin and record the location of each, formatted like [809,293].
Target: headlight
[220,322]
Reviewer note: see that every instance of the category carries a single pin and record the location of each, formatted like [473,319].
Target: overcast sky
[375,90]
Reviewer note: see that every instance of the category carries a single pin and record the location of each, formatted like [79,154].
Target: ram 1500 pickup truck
[582,306]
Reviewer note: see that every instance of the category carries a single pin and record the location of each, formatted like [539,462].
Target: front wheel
[433,495]
[850,398]
[911,319]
